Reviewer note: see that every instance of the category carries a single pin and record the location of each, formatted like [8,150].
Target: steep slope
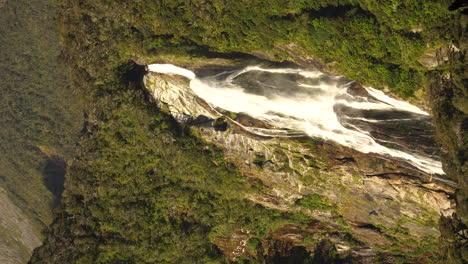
[391,202]
[40,121]
[449,99]
[142,189]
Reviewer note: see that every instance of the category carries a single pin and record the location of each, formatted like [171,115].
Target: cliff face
[144,188]
[18,235]
[40,120]
[365,204]
[449,101]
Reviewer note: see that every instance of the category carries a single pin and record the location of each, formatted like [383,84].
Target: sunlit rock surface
[383,203]
[18,236]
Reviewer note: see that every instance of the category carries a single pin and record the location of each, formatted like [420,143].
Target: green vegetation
[449,101]
[315,202]
[39,119]
[375,43]
[133,196]
[143,190]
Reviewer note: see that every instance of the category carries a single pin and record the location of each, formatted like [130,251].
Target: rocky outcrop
[382,204]
[18,237]
[235,245]
[435,57]
[449,100]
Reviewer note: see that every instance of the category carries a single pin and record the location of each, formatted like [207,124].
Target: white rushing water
[310,108]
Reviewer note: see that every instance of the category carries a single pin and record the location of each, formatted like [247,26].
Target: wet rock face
[357,90]
[405,131]
[364,206]
[266,83]
[395,129]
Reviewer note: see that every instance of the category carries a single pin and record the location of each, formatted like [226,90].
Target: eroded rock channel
[353,159]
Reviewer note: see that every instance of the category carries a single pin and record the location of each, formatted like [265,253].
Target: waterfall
[321,106]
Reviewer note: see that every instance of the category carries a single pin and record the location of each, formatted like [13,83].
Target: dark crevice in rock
[387,175]
[201,120]
[296,254]
[370,226]
[135,72]
[459,4]
[220,124]
[346,159]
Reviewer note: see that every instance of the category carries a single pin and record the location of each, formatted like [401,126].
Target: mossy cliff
[367,202]
[40,123]
[449,101]
[145,189]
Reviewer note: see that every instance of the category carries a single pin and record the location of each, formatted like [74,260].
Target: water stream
[321,106]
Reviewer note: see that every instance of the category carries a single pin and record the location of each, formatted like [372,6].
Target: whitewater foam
[312,114]
[171,70]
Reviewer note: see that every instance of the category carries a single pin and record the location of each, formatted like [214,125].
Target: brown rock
[234,246]
[357,89]
[249,121]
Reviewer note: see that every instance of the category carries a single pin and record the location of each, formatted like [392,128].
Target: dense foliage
[372,42]
[39,115]
[142,189]
[449,99]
